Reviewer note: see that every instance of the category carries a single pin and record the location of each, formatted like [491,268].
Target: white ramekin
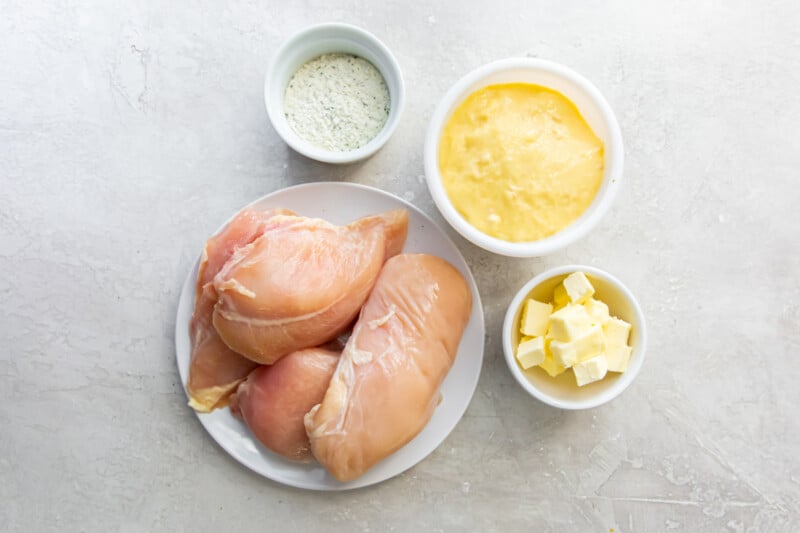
[562,391]
[592,106]
[331,38]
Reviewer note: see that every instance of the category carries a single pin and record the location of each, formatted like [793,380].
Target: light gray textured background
[130,130]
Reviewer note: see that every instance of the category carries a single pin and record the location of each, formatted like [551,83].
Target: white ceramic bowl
[328,39]
[592,106]
[562,391]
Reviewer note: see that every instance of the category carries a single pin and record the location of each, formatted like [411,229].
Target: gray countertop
[130,130]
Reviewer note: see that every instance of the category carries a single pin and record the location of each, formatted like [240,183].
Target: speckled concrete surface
[130,130]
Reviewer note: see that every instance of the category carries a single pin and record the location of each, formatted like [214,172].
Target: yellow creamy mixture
[519,162]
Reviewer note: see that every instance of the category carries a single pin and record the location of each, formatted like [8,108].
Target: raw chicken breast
[386,385]
[274,399]
[302,282]
[215,370]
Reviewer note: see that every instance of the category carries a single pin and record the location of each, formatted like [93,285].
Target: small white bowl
[328,39]
[592,106]
[562,391]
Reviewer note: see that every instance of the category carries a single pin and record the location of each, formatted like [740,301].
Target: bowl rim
[625,379]
[295,141]
[614,159]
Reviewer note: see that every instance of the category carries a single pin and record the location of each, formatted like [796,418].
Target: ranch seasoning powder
[338,102]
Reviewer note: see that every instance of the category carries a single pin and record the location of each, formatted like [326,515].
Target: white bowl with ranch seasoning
[334,93]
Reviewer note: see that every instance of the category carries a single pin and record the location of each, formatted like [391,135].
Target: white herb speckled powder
[337,101]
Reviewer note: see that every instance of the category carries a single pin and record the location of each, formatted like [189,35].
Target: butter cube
[551,366]
[590,370]
[591,343]
[530,352]
[535,317]
[597,310]
[617,332]
[564,353]
[569,323]
[560,296]
[618,356]
[578,287]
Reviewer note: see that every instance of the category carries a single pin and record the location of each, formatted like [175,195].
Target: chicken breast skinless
[214,369]
[386,385]
[302,282]
[274,399]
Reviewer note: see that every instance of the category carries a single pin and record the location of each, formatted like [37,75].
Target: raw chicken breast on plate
[274,399]
[386,385]
[215,370]
[301,282]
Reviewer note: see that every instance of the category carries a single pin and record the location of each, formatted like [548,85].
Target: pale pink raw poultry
[215,370]
[386,384]
[274,399]
[302,282]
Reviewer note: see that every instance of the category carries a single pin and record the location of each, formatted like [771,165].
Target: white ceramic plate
[341,203]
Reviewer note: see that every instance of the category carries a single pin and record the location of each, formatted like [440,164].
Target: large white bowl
[592,106]
[562,391]
[331,38]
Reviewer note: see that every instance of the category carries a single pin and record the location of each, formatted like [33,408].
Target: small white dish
[331,38]
[562,391]
[592,106]
[341,203]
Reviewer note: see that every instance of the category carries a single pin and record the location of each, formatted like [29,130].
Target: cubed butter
[618,356]
[551,366]
[578,287]
[560,297]
[535,317]
[530,352]
[589,344]
[575,331]
[617,332]
[564,353]
[597,310]
[590,370]
[569,323]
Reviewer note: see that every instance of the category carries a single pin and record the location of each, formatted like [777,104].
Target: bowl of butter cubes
[574,337]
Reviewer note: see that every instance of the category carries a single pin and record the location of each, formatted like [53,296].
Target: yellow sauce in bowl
[519,162]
